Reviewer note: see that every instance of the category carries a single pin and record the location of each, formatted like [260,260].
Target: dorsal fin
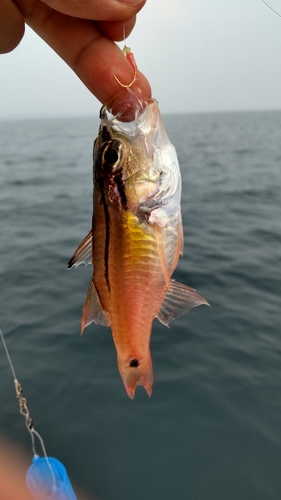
[179,299]
[83,254]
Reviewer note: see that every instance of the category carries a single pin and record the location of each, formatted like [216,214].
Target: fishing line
[25,412]
[46,478]
[8,355]
[271,8]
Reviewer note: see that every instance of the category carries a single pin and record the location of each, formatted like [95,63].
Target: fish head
[134,161]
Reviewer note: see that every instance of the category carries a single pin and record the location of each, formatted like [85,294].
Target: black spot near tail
[134,363]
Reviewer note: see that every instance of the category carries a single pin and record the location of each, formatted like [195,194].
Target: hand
[82,33]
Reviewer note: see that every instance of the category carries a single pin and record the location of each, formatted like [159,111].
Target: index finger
[93,57]
[11,26]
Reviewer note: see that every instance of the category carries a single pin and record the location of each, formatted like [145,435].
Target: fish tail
[136,371]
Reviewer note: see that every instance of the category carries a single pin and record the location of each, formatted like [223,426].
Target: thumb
[98,10]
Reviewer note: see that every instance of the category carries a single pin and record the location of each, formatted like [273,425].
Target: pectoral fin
[92,310]
[173,250]
[179,246]
[83,254]
[159,238]
[179,299]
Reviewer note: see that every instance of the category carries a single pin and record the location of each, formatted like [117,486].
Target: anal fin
[92,310]
[179,299]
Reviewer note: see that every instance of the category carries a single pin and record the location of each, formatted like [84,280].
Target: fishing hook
[128,85]
[129,56]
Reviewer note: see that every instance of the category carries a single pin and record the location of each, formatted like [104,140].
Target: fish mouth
[126,107]
[136,371]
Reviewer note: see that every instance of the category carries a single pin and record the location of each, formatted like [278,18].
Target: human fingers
[93,57]
[11,26]
[98,10]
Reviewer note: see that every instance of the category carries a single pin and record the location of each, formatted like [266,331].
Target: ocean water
[212,428]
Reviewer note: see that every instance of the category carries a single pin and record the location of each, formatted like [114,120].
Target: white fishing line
[274,11]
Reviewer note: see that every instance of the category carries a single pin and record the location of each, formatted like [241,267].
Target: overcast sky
[199,55]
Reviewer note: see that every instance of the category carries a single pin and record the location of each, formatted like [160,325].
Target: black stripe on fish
[105,134]
[118,179]
[107,233]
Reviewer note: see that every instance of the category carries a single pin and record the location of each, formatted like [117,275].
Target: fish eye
[110,156]
[112,153]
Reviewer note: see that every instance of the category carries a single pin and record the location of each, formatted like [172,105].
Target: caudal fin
[136,372]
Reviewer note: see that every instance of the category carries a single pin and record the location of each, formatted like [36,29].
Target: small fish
[136,237]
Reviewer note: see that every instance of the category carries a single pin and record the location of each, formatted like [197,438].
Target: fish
[136,237]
